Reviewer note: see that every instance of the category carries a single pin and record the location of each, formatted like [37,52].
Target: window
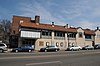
[46,33]
[21,21]
[2,45]
[13,31]
[98,36]
[61,44]
[59,34]
[47,43]
[80,34]
[72,35]
[88,36]
[41,43]
[57,44]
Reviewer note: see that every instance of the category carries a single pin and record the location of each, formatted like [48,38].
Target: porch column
[66,40]
[52,39]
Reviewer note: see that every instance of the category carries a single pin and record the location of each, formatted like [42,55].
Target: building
[27,31]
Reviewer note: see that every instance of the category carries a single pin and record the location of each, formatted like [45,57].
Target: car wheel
[87,49]
[45,50]
[29,50]
[16,51]
[97,47]
[72,49]
[1,51]
[79,49]
[56,50]
[92,48]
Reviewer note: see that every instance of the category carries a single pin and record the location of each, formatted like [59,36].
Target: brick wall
[16,23]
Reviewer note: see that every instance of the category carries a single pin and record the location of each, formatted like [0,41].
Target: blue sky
[76,13]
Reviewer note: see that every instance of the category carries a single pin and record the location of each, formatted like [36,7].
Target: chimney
[37,19]
[66,26]
[52,24]
[97,28]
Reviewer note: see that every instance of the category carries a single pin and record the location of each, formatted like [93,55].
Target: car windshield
[2,45]
[87,46]
[75,46]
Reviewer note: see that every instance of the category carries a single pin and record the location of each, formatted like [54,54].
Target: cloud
[79,12]
[88,24]
[38,9]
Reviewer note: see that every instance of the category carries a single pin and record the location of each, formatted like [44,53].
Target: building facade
[27,31]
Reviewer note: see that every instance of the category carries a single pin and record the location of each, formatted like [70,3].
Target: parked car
[74,48]
[24,48]
[97,46]
[50,48]
[3,47]
[87,47]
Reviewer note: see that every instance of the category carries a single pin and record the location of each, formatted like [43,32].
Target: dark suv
[24,48]
[97,46]
[3,47]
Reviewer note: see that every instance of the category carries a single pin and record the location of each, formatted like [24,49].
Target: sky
[76,13]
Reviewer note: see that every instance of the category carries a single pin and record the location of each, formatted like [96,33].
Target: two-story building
[27,31]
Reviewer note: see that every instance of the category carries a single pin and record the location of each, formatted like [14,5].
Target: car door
[23,48]
[50,48]
[53,48]
[75,47]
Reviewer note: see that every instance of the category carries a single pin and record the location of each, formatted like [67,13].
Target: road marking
[41,63]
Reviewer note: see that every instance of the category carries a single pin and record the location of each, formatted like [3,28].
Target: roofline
[21,16]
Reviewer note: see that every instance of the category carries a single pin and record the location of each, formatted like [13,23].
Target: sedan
[88,47]
[26,48]
[74,48]
[49,48]
[97,46]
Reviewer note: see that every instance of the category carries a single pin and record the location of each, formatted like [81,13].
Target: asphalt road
[61,58]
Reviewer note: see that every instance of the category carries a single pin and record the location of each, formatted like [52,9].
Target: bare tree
[5,29]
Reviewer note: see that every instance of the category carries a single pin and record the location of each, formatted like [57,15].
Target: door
[29,42]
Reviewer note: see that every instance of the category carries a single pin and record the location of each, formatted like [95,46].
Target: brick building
[27,31]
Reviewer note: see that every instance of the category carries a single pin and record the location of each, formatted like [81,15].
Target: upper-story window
[59,34]
[88,36]
[72,35]
[98,36]
[46,33]
[80,35]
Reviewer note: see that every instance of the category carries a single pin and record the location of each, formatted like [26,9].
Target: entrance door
[29,42]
